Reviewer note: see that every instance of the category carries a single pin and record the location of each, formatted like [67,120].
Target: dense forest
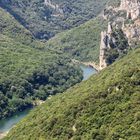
[52,20]
[33,69]
[40,43]
[82,42]
[105,107]
[28,71]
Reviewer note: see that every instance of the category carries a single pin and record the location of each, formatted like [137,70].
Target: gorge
[79,61]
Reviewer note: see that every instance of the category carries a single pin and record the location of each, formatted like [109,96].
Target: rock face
[132,7]
[131,30]
[105,44]
[102,51]
[56,7]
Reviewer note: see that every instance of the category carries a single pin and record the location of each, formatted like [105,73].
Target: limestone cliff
[56,7]
[132,31]
[132,7]
[102,63]
[125,19]
[105,44]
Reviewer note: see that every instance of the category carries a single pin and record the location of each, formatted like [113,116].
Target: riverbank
[9,123]
[3,134]
[89,64]
[87,72]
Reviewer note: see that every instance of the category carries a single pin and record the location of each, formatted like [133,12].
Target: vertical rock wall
[105,44]
[132,7]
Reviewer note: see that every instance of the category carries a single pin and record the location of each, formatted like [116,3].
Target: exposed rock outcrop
[56,7]
[132,31]
[105,44]
[128,26]
[132,7]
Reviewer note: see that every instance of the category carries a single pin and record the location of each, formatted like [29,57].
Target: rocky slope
[123,31]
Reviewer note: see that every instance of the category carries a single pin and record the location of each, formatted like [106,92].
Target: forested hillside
[105,107]
[44,20]
[28,71]
[31,69]
[81,43]
[39,41]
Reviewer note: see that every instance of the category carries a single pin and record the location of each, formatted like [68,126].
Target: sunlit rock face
[56,7]
[132,31]
[105,44]
[132,8]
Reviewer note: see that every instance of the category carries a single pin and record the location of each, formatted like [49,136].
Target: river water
[7,124]
[87,71]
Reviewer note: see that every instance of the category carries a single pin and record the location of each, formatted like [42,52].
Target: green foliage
[13,29]
[121,41]
[111,55]
[119,47]
[115,3]
[28,71]
[51,21]
[82,42]
[105,107]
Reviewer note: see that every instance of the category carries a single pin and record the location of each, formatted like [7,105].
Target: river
[87,71]
[7,124]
